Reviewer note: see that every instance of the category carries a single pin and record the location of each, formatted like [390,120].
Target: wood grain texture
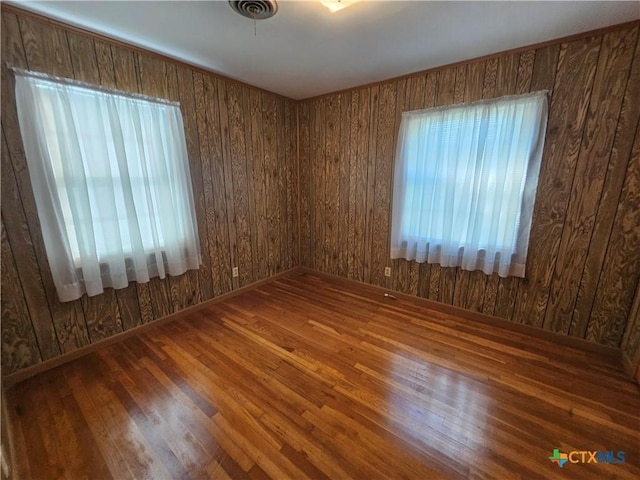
[621,269]
[291,175]
[219,117]
[183,289]
[331,188]
[399,270]
[46,50]
[270,139]
[304,164]
[631,341]
[238,152]
[17,233]
[592,81]
[347,385]
[609,85]
[204,89]
[344,226]
[371,184]
[224,139]
[568,110]
[362,181]
[202,281]
[383,188]
[615,175]
[280,183]
[19,345]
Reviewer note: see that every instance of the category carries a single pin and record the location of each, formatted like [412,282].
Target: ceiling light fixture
[336,5]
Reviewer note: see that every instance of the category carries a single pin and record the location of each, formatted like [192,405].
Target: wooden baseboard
[29,372]
[632,367]
[611,352]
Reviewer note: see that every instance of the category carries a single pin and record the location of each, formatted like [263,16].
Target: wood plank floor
[302,378]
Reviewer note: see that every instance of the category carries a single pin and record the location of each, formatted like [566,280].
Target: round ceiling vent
[255,9]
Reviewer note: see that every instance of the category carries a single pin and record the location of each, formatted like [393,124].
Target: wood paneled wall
[279,183]
[241,144]
[584,259]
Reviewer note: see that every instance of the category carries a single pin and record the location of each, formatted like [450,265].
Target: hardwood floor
[302,378]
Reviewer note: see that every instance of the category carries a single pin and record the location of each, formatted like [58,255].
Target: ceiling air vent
[255,9]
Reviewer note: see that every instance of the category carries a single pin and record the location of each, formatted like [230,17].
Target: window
[465,182]
[111,181]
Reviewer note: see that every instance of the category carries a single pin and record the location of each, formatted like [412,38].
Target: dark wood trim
[490,56]
[29,372]
[121,43]
[632,370]
[298,184]
[569,341]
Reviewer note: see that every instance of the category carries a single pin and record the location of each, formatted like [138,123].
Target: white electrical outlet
[235,271]
[387,271]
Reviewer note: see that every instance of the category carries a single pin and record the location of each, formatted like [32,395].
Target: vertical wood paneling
[597,141]
[250,181]
[567,113]
[525,71]
[184,289]
[270,120]
[104,59]
[239,175]
[83,58]
[246,148]
[631,341]
[19,345]
[581,206]
[26,264]
[215,187]
[384,174]
[331,188]
[206,199]
[353,182]
[398,264]
[621,270]
[615,175]
[225,127]
[318,169]
[45,50]
[259,184]
[345,180]
[227,179]
[293,185]
[203,278]
[304,165]
[280,184]
[372,181]
[362,182]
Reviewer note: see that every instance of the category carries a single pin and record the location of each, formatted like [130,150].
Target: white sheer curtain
[465,183]
[111,180]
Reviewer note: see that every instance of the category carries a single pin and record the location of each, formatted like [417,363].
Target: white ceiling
[304,50]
